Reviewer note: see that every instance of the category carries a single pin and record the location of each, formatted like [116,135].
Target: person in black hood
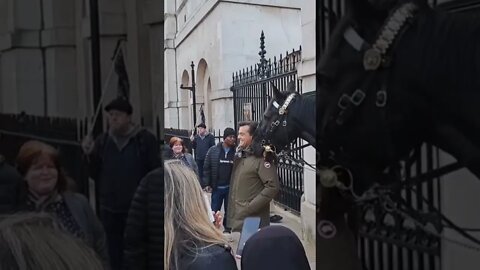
[274,247]
[10,187]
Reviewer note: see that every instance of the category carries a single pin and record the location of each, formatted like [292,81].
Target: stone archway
[203,90]
[209,103]
[184,103]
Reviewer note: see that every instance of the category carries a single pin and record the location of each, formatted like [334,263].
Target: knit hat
[228,132]
[120,104]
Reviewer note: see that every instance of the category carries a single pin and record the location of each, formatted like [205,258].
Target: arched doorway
[184,104]
[203,91]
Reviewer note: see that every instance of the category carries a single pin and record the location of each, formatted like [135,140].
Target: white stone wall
[45,55]
[459,201]
[224,35]
[306,71]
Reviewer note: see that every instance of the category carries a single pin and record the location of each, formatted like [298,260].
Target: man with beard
[254,182]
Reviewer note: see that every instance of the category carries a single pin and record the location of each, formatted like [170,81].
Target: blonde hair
[31,241]
[187,226]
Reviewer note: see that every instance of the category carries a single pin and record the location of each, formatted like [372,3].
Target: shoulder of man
[145,133]
[265,163]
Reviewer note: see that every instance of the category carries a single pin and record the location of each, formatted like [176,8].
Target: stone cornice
[210,5]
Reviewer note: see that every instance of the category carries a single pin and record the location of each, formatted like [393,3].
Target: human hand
[218,220]
[88,144]
[192,137]
[208,189]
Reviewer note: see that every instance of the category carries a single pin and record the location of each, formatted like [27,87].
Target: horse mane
[450,45]
[308,99]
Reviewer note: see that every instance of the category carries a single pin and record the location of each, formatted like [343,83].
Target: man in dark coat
[201,143]
[217,171]
[10,187]
[254,182]
[119,159]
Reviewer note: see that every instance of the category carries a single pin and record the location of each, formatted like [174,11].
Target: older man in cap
[119,159]
[201,143]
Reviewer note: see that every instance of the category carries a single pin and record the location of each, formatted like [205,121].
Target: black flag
[202,114]
[123,88]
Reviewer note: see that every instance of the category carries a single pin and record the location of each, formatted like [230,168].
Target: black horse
[288,116]
[395,74]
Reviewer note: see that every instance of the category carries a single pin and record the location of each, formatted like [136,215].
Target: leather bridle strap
[355,40]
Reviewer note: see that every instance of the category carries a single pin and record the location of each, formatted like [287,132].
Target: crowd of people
[153,210]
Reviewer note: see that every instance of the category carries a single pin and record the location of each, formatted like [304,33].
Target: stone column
[58,43]
[306,71]
[171,87]
[22,80]
[153,18]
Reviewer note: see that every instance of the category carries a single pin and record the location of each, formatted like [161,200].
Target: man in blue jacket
[218,170]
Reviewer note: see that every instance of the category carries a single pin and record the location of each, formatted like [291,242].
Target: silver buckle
[381,98]
[357,97]
[343,101]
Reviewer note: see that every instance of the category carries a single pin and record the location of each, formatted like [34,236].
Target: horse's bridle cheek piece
[375,56]
[376,60]
[282,113]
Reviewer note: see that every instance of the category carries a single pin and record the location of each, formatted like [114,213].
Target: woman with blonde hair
[35,241]
[191,240]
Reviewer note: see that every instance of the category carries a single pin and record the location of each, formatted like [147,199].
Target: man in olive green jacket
[254,182]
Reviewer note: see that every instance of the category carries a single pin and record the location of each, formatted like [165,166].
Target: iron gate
[252,90]
[387,241]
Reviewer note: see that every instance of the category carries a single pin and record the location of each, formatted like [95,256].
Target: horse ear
[276,92]
[291,87]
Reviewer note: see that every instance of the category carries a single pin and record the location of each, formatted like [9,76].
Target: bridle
[376,60]
[280,121]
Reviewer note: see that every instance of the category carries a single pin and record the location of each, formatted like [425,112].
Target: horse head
[370,113]
[276,129]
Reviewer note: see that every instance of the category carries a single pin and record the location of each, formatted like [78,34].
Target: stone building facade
[45,55]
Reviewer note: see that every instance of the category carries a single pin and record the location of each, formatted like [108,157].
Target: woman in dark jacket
[47,185]
[274,247]
[192,242]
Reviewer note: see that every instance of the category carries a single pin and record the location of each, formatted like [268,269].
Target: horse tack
[282,112]
[375,56]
